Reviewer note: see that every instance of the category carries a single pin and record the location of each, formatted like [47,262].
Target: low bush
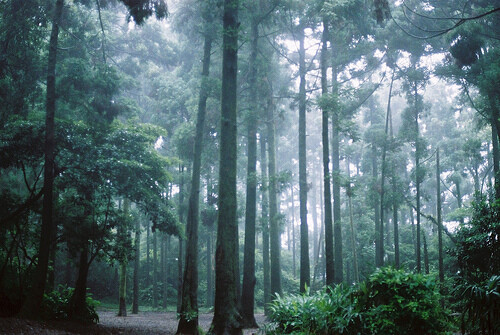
[325,312]
[56,306]
[389,302]
[396,302]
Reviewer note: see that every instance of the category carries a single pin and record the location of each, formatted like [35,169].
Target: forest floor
[150,323]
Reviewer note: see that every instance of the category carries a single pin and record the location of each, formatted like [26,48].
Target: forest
[330,166]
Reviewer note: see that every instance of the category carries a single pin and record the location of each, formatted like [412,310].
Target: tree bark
[137,245]
[78,299]
[265,224]
[227,319]
[249,280]
[439,219]
[379,236]
[353,233]
[32,305]
[418,181]
[395,206]
[122,292]
[274,228]
[330,270]
[155,269]
[383,173]
[337,223]
[305,270]
[188,322]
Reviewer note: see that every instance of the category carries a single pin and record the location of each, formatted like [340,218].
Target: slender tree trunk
[148,255]
[395,206]
[337,224]
[188,322]
[33,303]
[418,181]
[496,158]
[137,259]
[164,269]
[353,233]
[226,316]
[210,284]
[155,269]
[314,214]
[426,255]
[439,218]
[292,223]
[330,270]
[122,307]
[305,279]
[122,291]
[379,237]
[274,228]
[265,224]
[181,242]
[382,177]
[249,280]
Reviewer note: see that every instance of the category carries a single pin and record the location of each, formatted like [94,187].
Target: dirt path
[157,322]
[144,323]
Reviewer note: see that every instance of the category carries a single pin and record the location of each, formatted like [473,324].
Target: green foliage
[480,306]
[56,306]
[477,251]
[396,302]
[325,312]
[389,302]
[478,242]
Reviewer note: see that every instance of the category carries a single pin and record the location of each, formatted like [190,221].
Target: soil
[151,323]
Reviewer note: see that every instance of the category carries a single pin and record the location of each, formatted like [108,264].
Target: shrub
[480,304]
[56,306]
[396,302]
[389,302]
[325,312]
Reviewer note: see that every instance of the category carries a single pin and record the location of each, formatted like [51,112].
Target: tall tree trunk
[439,218]
[382,176]
[265,224]
[227,319]
[188,322]
[210,283]
[137,259]
[164,269]
[305,270]
[353,233]
[78,299]
[314,214]
[292,223]
[330,270]
[418,181]
[122,291]
[379,236]
[274,228]
[249,280]
[496,158]
[147,272]
[181,242]
[155,269]
[32,305]
[122,235]
[426,255]
[337,224]
[395,206]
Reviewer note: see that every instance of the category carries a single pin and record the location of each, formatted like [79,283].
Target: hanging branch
[102,30]
[437,33]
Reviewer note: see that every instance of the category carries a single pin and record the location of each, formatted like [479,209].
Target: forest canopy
[292,158]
